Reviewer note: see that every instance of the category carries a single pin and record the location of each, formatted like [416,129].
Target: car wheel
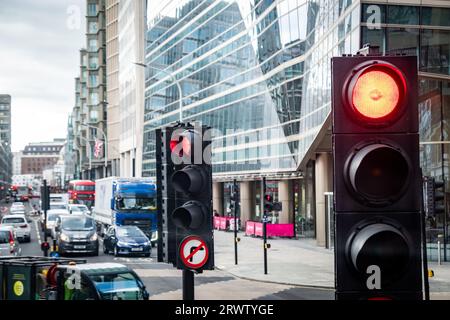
[116,251]
[147,255]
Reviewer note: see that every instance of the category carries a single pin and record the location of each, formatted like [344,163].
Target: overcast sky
[39,59]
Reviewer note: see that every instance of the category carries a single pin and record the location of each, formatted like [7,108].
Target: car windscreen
[52,217]
[121,286]
[13,220]
[136,203]
[4,236]
[129,232]
[58,206]
[77,224]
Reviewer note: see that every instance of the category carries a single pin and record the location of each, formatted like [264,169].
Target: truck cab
[125,202]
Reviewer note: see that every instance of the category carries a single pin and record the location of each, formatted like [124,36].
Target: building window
[435,51]
[403,15]
[93,80]
[403,41]
[93,116]
[93,96]
[92,9]
[436,16]
[93,27]
[92,44]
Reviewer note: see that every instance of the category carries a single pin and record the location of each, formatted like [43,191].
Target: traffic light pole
[45,214]
[264,226]
[188,285]
[426,283]
[235,222]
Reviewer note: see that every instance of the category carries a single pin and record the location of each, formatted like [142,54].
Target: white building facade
[131,85]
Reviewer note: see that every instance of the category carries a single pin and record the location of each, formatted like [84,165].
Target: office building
[258,72]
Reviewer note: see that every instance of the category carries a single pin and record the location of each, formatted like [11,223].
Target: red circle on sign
[185,259]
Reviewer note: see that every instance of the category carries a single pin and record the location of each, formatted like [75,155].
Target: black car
[76,234]
[126,240]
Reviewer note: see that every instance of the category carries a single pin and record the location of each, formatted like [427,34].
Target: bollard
[439,252]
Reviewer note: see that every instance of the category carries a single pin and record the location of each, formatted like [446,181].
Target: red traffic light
[183,144]
[376,92]
[268,198]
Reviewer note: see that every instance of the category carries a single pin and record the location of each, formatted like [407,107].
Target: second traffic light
[192,182]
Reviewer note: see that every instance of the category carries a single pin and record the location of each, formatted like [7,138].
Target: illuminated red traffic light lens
[184,143]
[376,94]
[186,146]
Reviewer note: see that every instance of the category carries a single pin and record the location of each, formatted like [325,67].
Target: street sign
[194,252]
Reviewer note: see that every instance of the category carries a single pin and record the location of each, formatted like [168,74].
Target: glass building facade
[423,31]
[258,72]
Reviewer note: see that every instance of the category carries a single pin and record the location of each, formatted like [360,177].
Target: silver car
[9,246]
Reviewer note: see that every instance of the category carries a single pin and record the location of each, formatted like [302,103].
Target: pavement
[297,262]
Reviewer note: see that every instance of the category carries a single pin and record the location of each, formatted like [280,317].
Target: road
[164,282]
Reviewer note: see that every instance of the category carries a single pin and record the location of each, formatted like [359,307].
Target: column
[286,197]
[323,183]
[218,197]
[248,201]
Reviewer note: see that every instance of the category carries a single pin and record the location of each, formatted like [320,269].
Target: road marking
[38,235]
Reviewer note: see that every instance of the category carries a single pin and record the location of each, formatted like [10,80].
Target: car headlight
[122,244]
[64,237]
[94,237]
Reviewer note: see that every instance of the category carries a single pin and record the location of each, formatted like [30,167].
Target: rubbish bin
[18,275]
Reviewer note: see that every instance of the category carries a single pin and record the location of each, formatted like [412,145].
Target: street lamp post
[175,80]
[106,146]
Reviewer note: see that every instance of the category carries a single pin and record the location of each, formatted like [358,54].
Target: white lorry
[126,201]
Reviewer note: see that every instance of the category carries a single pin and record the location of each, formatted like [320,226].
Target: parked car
[52,216]
[76,234]
[126,240]
[20,224]
[79,208]
[9,245]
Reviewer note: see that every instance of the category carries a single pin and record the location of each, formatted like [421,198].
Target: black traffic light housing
[377,179]
[434,192]
[166,201]
[184,190]
[268,203]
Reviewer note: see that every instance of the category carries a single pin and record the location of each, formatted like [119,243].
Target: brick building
[39,156]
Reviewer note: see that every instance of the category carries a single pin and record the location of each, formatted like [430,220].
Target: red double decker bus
[82,192]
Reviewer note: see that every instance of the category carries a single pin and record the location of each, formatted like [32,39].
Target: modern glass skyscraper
[5,138]
[258,72]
